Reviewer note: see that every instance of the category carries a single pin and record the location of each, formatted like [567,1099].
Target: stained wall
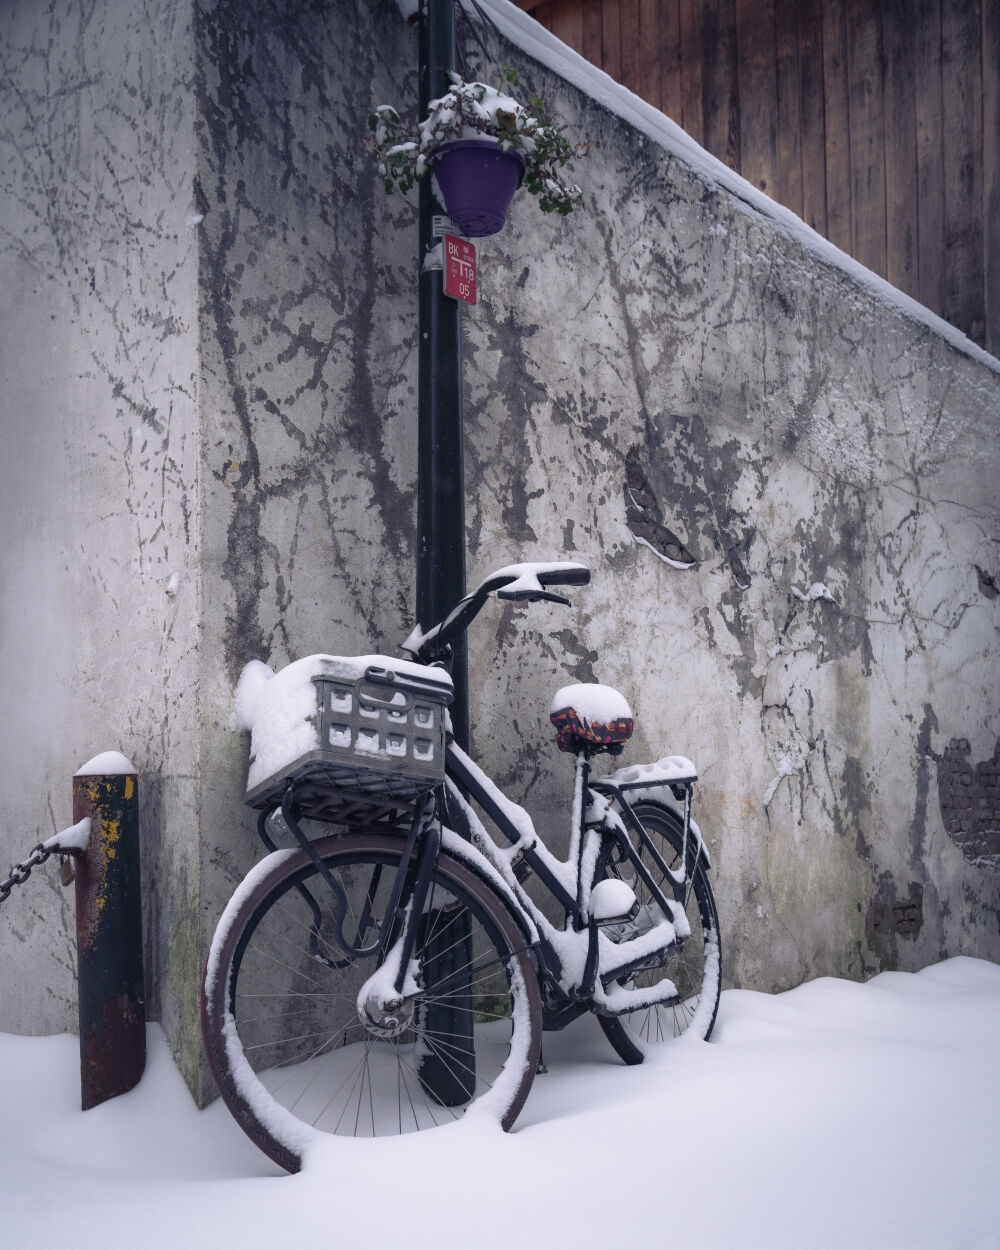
[100,597]
[670,372]
[678,373]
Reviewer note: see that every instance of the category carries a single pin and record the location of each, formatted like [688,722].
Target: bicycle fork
[397,929]
[394,980]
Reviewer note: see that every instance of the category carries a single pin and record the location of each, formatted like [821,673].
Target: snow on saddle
[591,718]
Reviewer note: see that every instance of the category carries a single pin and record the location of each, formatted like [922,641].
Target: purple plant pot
[477,182]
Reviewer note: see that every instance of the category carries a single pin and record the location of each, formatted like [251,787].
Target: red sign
[459,269]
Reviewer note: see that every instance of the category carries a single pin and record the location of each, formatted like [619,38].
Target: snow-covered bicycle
[398,973]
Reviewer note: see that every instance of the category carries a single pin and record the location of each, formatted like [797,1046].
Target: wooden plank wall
[876,121]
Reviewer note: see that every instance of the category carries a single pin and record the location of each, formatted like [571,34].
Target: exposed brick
[969,797]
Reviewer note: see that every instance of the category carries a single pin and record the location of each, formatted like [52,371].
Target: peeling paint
[644,517]
[969,798]
[704,383]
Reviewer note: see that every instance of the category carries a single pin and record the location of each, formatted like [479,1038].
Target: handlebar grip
[516,581]
[573,575]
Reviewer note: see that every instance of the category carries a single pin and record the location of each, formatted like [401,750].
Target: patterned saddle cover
[589,717]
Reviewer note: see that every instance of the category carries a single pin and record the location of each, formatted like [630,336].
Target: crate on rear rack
[380,726]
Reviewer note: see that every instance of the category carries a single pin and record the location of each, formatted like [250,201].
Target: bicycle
[397,974]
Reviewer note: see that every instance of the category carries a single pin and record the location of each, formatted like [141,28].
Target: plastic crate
[381,747]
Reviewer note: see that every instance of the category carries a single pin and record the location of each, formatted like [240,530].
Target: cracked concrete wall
[667,366]
[671,374]
[99,468]
[308,386]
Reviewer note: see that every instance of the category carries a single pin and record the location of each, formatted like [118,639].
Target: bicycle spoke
[467,969]
[294,994]
[445,1059]
[300,1037]
[684,964]
[329,1102]
[410,1068]
[295,1066]
[296,972]
[295,919]
[446,1051]
[350,1093]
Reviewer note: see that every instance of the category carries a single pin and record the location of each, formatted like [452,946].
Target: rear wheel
[693,964]
[291,1052]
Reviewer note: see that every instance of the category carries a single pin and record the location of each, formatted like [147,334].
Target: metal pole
[440,471]
[441,551]
[109,933]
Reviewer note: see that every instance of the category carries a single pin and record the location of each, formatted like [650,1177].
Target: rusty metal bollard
[109,931]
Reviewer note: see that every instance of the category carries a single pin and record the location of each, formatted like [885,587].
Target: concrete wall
[308,386]
[669,364]
[99,477]
[673,366]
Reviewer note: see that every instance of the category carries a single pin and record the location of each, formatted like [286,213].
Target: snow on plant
[476,110]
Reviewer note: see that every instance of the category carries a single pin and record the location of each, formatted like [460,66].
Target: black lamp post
[440,474]
[446,1077]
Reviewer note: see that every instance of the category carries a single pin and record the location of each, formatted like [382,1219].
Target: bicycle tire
[307,1065]
[693,965]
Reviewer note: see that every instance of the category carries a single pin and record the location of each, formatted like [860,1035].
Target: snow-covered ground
[835,1115]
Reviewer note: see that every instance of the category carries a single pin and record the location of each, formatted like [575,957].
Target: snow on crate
[279,709]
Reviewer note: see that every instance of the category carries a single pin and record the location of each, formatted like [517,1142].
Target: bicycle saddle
[591,718]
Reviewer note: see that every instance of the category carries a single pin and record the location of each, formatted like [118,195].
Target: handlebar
[515,582]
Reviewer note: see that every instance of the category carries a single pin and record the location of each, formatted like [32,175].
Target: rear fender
[477,862]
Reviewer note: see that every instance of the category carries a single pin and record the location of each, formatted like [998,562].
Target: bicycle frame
[396,930]
[468,779]
[568,882]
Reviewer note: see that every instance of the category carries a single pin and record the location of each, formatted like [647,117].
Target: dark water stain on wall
[290,282]
[892,916]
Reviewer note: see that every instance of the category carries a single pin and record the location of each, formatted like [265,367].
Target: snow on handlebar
[525,578]
[514,581]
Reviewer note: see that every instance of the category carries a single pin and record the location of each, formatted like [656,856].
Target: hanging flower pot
[477,177]
[477,180]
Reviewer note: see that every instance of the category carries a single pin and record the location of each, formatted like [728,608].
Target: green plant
[474,108]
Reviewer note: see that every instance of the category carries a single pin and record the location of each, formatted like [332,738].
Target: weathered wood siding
[877,121]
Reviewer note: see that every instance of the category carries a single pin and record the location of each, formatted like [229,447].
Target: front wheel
[293,1055]
[693,965]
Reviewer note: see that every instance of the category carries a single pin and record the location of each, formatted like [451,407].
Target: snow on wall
[540,44]
[781,477]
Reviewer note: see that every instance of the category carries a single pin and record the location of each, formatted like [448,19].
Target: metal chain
[20,873]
